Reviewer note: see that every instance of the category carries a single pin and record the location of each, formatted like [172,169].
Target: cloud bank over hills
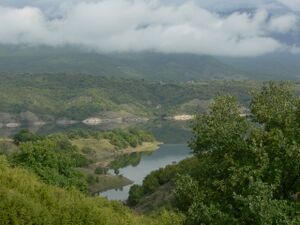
[292,4]
[162,26]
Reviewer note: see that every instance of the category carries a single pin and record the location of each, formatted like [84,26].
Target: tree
[136,192]
[248,170]
[52,162]
[25,135]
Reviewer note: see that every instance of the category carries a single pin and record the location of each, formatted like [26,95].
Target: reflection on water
[135,166]
[165,155]
[54,128]
[126,160]
[175,132]
[164,131]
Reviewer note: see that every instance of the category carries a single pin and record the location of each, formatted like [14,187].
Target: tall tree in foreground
[249,168]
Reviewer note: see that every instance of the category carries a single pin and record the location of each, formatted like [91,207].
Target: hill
[276,66]
[152,66]
[27,200]
[145,65]
[77,96]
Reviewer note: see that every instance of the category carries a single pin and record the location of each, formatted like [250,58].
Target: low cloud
[292,4]
[295,49]
[124,25]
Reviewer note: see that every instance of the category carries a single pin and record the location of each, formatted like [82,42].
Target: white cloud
[292,4]
[129,25]
[284,23]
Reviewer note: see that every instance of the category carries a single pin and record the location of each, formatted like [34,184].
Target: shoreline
[112,181]
[145,147]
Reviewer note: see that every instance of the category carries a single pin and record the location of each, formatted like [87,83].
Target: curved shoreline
[111,181]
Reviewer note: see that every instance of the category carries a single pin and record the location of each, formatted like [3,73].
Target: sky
[211,27]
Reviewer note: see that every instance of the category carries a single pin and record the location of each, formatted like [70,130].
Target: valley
[149,112]
[137,147]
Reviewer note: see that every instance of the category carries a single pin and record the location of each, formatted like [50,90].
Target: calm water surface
[165,155]
[135,166]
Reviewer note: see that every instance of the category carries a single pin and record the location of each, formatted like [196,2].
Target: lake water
[165,155]
[138,165]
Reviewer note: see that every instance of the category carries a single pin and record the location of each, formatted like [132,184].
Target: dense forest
[52,96]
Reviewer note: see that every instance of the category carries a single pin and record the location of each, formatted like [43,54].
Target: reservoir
[135,166]
[167,154]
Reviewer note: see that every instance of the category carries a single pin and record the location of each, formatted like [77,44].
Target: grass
[95,150]
[25,199]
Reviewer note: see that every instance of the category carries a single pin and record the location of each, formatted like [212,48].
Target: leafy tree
[248,170]
[53,160]
[135,194]
[151,183]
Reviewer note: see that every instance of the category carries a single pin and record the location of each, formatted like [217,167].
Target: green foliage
[25,136]
[160,177]
[53,160]
[186,191]
[79,97]
[128,138]
[121,139]
[27,200]
[223,127]
[136,192]
[84,133]
[248,170]
[275,110]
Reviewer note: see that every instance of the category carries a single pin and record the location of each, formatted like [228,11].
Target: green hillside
[146,65]
[26,200]
[80,96]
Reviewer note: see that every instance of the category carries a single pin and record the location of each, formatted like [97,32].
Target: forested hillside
[80,96]
[146,65]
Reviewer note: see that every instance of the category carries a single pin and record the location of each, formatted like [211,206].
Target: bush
[53,160]
[136,192]
[25,136]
